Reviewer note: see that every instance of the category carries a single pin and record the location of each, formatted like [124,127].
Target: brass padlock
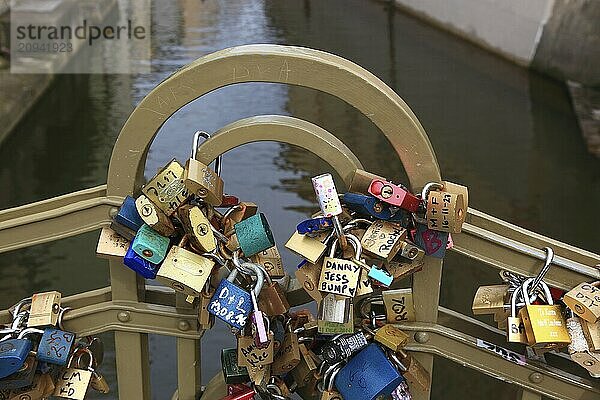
[457,189]
[544,324]
[403,269]
[515,328]
[338,275]
[184,270]
[304,371]
[73,381]
[592,334]
[489,299]
[260,374]
[270,260]
[415,374]
[391,337]
[154,216]
[399,305]
[579,349]
[206,319]
[361,181]
[383,239]
[272,299]
[307,247]
[584,300]
[446,211]
[200,179]
[308,277]
[198,228]
[364,286]
[236,214]
[411,251]
[166,189]
[249,355]
[289,355]
[111,244]
[44,309]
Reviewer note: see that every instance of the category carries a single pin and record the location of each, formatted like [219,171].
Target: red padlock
[239,391]
[394,195]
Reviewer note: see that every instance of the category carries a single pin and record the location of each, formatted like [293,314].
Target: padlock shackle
[259,276]
[196,144]
[545,287]
[540,276]
[513,301]
[428,187]
[29,331]
[354,241]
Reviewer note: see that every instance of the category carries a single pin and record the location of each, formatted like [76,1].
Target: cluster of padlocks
[39,359]
[545,318]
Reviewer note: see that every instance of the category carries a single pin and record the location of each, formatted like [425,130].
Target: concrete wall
[559,37]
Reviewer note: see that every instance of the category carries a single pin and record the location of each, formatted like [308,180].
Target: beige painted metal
[131,309]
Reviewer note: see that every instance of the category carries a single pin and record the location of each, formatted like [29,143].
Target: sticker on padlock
[166,189]
[150,245]
[44,309]
[340,276]
[232,304]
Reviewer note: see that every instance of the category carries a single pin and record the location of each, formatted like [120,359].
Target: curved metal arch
[277,64]
[283,129]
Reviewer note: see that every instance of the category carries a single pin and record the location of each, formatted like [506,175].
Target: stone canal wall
[557,37]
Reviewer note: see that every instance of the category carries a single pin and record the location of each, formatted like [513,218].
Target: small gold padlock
[270,260]
[304,371]
[197,227]
[416,375]
[260,374]
[200,179]
[445,211]
[44,309]
[584,300]
[411,251]
[457,189]
[111,244]
[289,355]
[308,277]
[489,299]
[166,189]
[361,181]
[403,269]
[307,247]
[272,299]
[249,355]
[154,216]
[383,239]
[391,337]
[399,305]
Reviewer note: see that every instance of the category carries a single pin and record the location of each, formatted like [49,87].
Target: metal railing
[132,310]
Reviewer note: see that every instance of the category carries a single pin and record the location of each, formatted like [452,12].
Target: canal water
[509,134]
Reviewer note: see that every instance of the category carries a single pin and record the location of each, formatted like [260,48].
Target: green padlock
[254,235]
[150,245]
[231,371]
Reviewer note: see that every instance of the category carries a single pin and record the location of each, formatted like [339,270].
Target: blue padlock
[371,206]
[254,234]
[232,304]
[367,375]
[13,353]
[314,225]
[150,245]
[128,215]
[433,242]
[55,346]
[380,276]
[140,265]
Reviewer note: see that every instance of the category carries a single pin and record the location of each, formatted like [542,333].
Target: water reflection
[509,135]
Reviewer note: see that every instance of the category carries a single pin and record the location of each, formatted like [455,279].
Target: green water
[508,134]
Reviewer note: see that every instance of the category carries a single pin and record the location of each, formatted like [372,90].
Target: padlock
[335,308]
[242,392]
[232,304]
[254,234]
[153,216]
[364,286]
[307,247]
[250,355]
[457,189]
[150,245]
[184,270]
[308,277]
[198,228]
[399,305]
[206,319]
[343,347]
[31,392]
[139,264]
[411,251]
[489,299]
[260,374]
[279,330]
[412,370]
[232,372]
[98,382]
[334,328]
[167,189]
[289,355]
[123,231]
[592,334]
[515,328]
[340,276]
[579,349]
[367,375]
[370,206]
[361,181]
[22,377]
[13,353]
[73,381]
[55,346]
[111,244]
[200,179]
[44,309]
[445,211]
[128,215]
[403,269]
[383,239]
[394,195]
[314,225]
[380,276]
[544,324]
[270,260]
[304,371]
[584,300]
[272,299]
[391,337]
[50,386]
[434,243]
[327,196]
